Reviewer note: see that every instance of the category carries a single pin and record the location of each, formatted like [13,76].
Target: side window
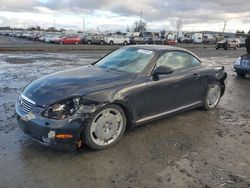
[194,61]
[177,60]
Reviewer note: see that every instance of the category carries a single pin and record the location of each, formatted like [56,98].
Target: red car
[170,42]
[69,40]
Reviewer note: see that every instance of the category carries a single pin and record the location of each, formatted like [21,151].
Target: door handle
[195,76]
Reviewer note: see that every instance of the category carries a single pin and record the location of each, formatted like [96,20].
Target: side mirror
[162,70]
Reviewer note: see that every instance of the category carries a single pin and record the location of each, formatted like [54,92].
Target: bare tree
[140,26]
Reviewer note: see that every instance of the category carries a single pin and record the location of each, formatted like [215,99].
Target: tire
[214,90]
[125,43]
[89,42]
[105,123]
[61,43]
[240,74]
[102,43]
[76,43]
[111,42]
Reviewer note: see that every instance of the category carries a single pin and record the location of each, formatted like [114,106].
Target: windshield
[128,60]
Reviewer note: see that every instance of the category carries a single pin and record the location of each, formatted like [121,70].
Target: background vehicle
[145,38]
[94,39]
[242,65]
[151,38]
[197,38]
[209,39]
[187,38]
[169,42]
[228,43]
[117,39]
[72,39]
[130,86]
[242,42]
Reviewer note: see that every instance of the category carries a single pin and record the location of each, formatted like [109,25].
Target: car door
[67,40]
[119,39]
[176,90]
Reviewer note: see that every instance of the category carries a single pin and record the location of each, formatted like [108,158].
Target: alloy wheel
[106,127]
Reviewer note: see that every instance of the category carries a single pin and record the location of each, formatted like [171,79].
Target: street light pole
[83,24]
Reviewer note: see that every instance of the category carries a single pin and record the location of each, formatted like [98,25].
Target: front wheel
[213,96]
[105,128]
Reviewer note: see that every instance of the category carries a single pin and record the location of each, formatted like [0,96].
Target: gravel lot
[193,149]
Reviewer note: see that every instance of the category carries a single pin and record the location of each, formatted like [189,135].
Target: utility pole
[83,24]
[224,28]
[54,25]
[140,25]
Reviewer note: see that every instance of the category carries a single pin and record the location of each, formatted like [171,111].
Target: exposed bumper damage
[59,134]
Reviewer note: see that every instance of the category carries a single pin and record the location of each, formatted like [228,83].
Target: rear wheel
[102,42]
[125,43]
[213,96]
[111,42]
[89,42]
[76,43]
[105,128]
[61,42]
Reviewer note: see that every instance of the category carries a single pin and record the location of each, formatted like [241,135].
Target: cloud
[160,12]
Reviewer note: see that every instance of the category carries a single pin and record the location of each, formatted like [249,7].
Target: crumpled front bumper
[242,69]
[44,130]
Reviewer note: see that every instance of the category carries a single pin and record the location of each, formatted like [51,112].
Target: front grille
[246,63]
[26,104]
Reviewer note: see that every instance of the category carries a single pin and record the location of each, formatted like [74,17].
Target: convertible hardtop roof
[157,48]
[162,48]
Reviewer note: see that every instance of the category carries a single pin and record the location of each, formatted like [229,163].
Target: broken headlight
[63,109]
[238,61]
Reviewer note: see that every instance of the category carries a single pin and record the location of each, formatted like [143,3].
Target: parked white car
[117,39]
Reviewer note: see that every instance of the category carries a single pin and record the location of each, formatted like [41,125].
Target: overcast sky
[117,14]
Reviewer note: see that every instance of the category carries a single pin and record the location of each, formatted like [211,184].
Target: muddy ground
[193,149]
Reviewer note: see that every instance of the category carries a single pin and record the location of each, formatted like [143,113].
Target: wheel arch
[127,111]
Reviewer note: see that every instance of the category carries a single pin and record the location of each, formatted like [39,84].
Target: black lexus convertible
[92,105]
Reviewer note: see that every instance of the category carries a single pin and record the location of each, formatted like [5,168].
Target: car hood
[74,82]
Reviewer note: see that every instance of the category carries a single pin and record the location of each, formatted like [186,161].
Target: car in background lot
[71,39]
[227,44]
[145,38]
[117,39]
[242,42]
[94,39]
[133,85]
[170,42]
[242,65]
[209,39]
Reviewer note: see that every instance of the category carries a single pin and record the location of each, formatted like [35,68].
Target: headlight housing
[238,61]
[63,109]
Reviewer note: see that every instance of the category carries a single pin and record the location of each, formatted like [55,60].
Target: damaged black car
[92,105]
